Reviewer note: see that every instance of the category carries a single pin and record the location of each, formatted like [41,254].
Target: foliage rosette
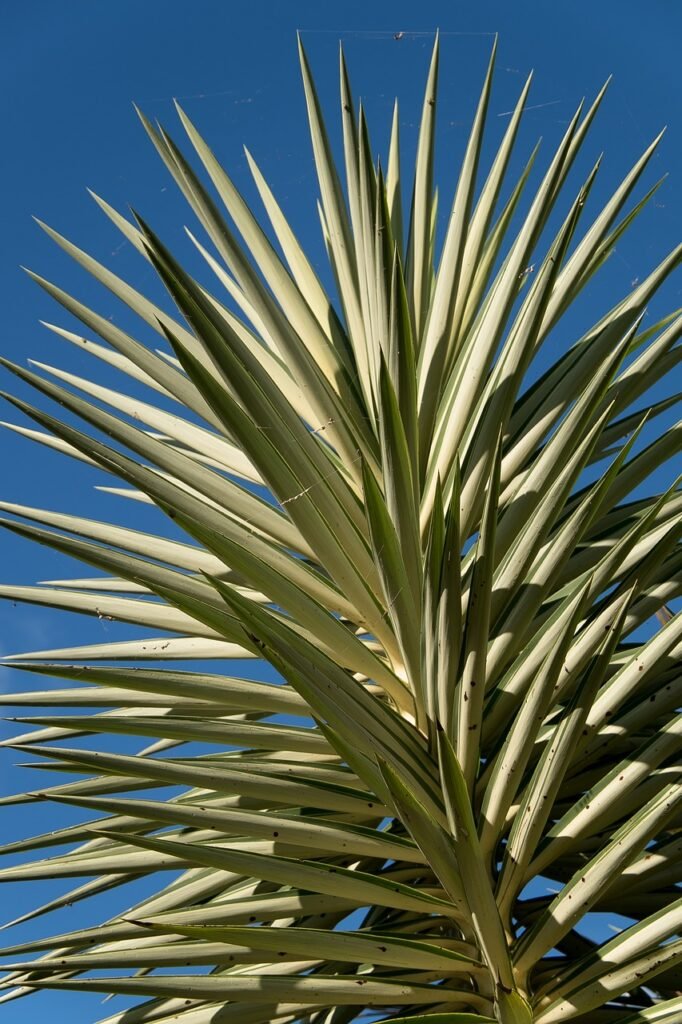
[446,547]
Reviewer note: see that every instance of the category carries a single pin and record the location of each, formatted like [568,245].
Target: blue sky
[70,72]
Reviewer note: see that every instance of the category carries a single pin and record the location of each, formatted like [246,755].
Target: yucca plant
[468,746]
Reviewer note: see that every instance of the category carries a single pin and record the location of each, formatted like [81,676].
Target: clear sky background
[70,72]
